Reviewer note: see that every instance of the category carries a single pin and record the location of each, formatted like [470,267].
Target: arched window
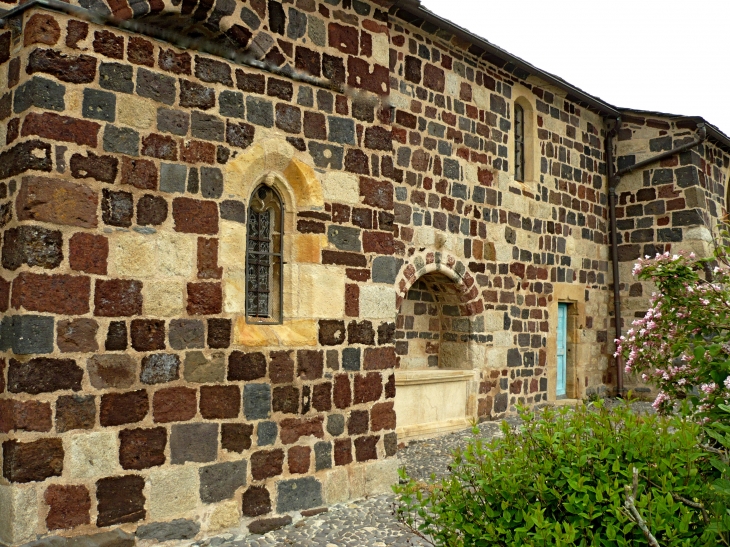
[264,263]
[519,143]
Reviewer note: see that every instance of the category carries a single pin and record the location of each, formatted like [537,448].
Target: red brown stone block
[75,412]
[299,458]
[382,416]
[120,500]
[41,28]
[310,364]
[4,294]
[101,168]
[24,415]
[266,464]
[123,408]
[376,193]
[246,366]
[44,375]
[142,448]
[204,298]
[343,451]
[368,387]
[285,399]
[75,32]
[197,152]
[366,448]
[88,253]
[220,402]
[68,506]
[194,216]
[358,422]
[236,437]
[292,429]
[163,147]
[61,294]
[140,51]
[57,201]
[148,334]
[61,128]
[32,461]
[139,173]
[174,404]
[281,368]
[380,358]
[322,397]
[109,44]
[117,298]
[256,501]
[342,392]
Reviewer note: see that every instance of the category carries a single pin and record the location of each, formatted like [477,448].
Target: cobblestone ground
[370,522]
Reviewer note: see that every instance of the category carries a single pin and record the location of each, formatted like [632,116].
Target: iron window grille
[264,260]
[519,143]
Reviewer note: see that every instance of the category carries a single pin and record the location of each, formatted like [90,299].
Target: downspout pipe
[204,45]
[614,179]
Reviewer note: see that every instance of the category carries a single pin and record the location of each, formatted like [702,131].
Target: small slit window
[264,263]
[519,143]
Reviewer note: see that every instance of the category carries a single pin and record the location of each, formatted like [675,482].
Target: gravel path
[370,522]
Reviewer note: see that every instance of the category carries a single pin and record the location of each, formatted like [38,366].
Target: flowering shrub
[682,345]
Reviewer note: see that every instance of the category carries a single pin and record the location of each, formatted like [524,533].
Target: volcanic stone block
[121,140]
[75,412]
[44,375]
[24,416]
[322,456]
[266,464]
[231,104]
[263,526]
[202,370]
[266,433]
[88,253]
[101,168]
[246,366]
[160,368]
[142,448]
[151,210]
[310,364]
[256,501]
[99,105]
[194,443]
[357,424]
[116,77]
[390,442]
[32,461]
[286,399]
[331,332]
[31,245]
[366,448]
[32,334]
[176,63]
[220,481]
[174,404]
[116,337]
[68,506]
[112,371]
[335,424]
[157,87]
[117,208]
[120,500]
[220,402]
[194,95]
[177,529]
[207,127]
[148,334]
[299,459]
[236,437]
[351,359]
[176,122]
[298,494]
[123,408]
[257,401]
[186,333]
[281,368]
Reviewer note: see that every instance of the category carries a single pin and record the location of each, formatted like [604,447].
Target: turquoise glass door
[562,346]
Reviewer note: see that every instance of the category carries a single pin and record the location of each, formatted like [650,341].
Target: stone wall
[134,393]
[674,205]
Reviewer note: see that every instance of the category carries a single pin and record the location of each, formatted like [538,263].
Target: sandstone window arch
[524,141]
[264,256]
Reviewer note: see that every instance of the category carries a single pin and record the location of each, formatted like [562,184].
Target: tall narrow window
[519,143]
[264,264]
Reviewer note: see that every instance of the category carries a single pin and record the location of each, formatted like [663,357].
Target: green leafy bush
[561,480]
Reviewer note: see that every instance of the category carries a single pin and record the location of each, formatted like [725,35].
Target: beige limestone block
[91,455]
[480,96]
[341,187]
[515,203]
[381,49]
[243,172]
[234,291]
[297,333]
[225,515]
[493,320]
[377,302]
[176,254]
[336,486]
[453,84]
[356,478]
[173,491]
[503,339]
[503,251]
[278,153]
[424,236]
[18,513]
[471,173]
[257,336]
[163,298]
[73,100]
[232,252]
[308,248]
[540,209]
[380,476]
[135,112]
[320,292]
[304,183]
[399,100]
[133,255]
[698,233]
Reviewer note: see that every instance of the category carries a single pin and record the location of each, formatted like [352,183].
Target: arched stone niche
[439,337]
[278,165]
